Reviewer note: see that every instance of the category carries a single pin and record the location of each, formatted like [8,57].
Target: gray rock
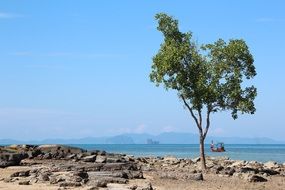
[90,158]
[47,156]
[44,177]
[24,183]
[256,178]
[82,174]
[147,186]
[196,177]
[248,170]
[69,184]
[101,159]
[11,159]
[269,171]
[21,174]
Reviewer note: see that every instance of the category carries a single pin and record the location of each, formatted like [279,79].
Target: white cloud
[4,15]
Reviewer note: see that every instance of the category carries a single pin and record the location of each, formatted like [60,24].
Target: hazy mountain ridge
[163,138]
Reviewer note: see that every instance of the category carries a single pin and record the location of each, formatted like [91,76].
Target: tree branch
[191,111]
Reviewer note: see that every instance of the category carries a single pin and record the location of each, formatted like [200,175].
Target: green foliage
[208,76]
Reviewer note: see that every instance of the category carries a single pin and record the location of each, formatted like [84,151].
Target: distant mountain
[163,138]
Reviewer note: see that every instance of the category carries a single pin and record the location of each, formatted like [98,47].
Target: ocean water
[260,152]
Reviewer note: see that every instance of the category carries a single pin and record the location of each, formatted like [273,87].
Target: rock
[71,156]
[248,170]
[90,158]
[196,177]
[44,177]
[237,163]
[55,180]
[99,183]
[24,183]
[229,171]
[101,159]
[171,159]
[69,184]
[270,164]
[118,166]
[34,153]
[269,171]
[195,160]
[93,188]
[8,180]
[81,174]
[53,148]
[47,156]
[11,159]
[217,168]
[147,186]
[21,174]
[113,159]
[256,178]
[102,153]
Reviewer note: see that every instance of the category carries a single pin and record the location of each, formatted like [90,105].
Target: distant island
[150,141]
[133,138]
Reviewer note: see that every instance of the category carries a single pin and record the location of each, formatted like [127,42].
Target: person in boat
[212,145]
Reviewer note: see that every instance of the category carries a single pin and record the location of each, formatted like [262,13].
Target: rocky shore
[64,167]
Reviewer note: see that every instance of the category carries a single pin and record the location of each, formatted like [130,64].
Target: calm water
[261,153]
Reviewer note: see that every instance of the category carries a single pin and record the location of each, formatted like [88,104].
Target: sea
[248,152]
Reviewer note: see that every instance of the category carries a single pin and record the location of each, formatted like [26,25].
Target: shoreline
[65,167]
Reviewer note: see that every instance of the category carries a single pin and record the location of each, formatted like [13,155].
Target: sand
[210,182]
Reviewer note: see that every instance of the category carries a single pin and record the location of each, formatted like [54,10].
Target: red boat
[219,147]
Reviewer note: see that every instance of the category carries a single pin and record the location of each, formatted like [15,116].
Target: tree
[208,78]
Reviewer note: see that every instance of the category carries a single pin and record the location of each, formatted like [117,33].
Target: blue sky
[72,69]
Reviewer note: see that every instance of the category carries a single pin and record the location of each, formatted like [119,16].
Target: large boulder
[11,159]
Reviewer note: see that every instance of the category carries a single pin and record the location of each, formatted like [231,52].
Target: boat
[219,147]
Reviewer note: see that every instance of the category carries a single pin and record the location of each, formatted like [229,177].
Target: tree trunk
[202,153]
